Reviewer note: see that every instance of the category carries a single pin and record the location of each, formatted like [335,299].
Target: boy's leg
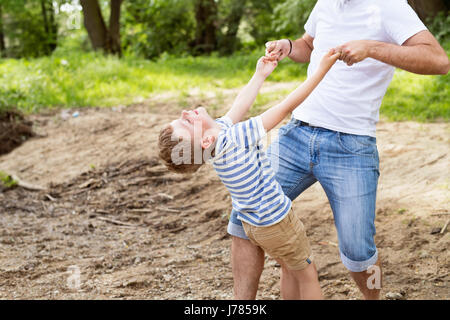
[288,284]
[290,162]
[300,285]
[308,283]
[247,263]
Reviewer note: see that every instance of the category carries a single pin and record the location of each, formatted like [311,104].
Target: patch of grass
[6,181]
[417,97]
[71,78]
[91,79]
[267,100]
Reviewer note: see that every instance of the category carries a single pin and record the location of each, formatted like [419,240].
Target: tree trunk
[205,35]
[428,8]
[101,37]
[114,27]
[229,41]
[95,25]
[50,27]
[53,28]
[2,35]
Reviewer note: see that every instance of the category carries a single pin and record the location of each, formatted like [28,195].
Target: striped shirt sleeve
[247,133]
[224,122]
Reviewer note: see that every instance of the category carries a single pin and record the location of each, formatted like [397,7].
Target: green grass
[71,78]
[416,97]
[265,100]
[6,181]
[91,79]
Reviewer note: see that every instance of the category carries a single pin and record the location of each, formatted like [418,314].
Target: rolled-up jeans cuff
[359,266]
[236,230]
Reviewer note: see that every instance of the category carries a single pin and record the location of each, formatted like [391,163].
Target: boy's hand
[329,59]
[265,66]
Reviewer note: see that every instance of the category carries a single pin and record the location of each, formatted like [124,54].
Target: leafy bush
[440,26]
[153,27]
[23,27]
[290,17]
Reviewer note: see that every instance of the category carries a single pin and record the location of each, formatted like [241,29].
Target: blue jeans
[347,167]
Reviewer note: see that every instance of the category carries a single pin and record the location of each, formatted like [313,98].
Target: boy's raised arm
[248,95]
[276,114]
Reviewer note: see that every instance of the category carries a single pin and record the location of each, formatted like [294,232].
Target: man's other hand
[354,51]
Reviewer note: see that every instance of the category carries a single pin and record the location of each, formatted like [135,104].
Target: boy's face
[192,124]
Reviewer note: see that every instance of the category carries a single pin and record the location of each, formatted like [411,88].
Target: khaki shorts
[285,240]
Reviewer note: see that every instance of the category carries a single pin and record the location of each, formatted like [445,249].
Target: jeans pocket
[284,130]
[357,144]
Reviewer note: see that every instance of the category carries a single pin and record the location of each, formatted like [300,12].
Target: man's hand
[265,66]
[354,51]
[278,49]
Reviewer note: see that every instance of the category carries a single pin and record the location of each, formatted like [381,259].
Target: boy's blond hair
[166,145]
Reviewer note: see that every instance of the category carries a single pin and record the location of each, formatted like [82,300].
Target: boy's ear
[208,141]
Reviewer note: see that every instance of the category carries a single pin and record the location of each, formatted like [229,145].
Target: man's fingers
[349,60]
[270,46]
[272,57]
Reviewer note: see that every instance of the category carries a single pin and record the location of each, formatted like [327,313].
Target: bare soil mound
[135,231]
[14,130]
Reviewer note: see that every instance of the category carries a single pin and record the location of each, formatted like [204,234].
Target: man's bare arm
[301,49]
[420,54]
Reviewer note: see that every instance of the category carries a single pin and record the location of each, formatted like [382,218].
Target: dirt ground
[113,223]
[14,130]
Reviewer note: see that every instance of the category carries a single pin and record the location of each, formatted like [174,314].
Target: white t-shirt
[349,98]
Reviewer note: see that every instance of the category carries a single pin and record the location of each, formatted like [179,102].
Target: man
[331,138]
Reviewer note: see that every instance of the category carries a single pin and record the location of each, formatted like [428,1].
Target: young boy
[237,155]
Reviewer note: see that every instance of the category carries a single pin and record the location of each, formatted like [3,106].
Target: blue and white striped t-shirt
[244,168]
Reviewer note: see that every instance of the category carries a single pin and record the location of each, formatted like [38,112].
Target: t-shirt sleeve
[224,122]
[401,22]
[248,133]
[310,26]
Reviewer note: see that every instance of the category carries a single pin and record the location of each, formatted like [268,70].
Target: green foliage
[6,181]
[440,26]
[23,26]
[151,28]
[290,17]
